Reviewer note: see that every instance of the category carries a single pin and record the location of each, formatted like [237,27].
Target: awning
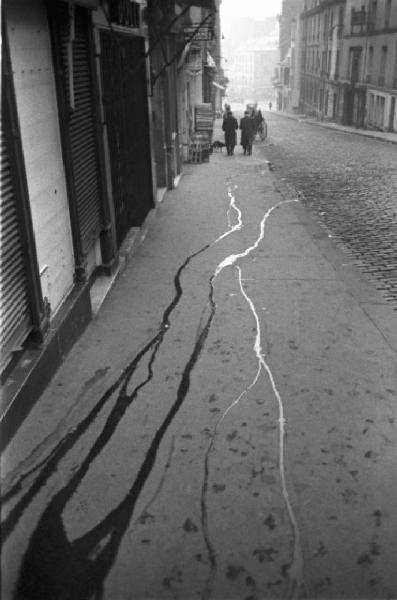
[202,3]
[286,62]
[92,4]
[210,61]
[184,55]
[217,85]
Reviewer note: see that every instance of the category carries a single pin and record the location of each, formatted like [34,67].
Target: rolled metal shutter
[81,124]
[15,316]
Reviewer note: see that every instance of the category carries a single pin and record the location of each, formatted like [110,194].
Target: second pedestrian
[247,126]
[230,126]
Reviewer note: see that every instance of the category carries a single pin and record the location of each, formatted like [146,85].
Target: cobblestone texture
[350,182]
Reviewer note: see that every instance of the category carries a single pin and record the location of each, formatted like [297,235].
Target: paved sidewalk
[225,427]
[384,136]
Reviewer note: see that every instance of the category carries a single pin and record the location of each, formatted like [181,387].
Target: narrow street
[225,427]
[350,181]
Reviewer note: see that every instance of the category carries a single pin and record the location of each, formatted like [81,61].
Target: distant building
[341,62]
[285,81]
[251,50]
[322,27]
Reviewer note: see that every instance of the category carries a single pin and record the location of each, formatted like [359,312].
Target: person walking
[247,126]
[229,126]
[270,106]
[258,122]
[227,109]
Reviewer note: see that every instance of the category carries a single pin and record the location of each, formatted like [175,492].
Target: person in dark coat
[247,126]
[227,110]
[258,120]
[229,126]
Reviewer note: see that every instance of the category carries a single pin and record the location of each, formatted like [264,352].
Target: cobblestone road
[351,183]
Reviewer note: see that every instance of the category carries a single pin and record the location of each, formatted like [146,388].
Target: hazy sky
[253,8]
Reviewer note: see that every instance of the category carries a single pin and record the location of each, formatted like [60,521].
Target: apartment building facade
[347,62]
[287,79]
[370,64]
[322,90]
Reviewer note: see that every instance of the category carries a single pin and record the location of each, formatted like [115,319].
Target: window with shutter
[73,47]
[15,316]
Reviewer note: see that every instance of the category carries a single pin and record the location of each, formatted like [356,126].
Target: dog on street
[217,145]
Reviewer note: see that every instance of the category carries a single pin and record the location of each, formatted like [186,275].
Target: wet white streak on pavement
[232,258]
[296,567]
[233,206]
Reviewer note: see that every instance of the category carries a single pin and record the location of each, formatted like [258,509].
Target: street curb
[335,127]
[37,366]
[104,284]
[35,372]
[134,238]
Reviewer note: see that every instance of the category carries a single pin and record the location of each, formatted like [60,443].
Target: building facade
[369,65]
[347,66]
[322,28]
[286,80]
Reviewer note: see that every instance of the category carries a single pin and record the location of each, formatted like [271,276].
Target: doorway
[126,114]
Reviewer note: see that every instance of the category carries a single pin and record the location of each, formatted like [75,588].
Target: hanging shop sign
[202,3]
[202,34]
[124,12]
[91,4]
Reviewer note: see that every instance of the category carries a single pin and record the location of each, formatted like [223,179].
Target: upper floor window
[373,5]
[370,64]
[357,21]
[395,69]
[387,14]
[337,59]
[341,21]
[383,61]
[325,26]
[355,63]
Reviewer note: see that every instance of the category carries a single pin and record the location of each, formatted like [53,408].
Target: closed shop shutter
[81,125]
[15,314]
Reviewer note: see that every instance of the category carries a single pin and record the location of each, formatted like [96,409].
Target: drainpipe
[169,101]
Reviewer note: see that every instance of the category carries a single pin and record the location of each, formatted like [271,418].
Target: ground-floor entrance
[126,115]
